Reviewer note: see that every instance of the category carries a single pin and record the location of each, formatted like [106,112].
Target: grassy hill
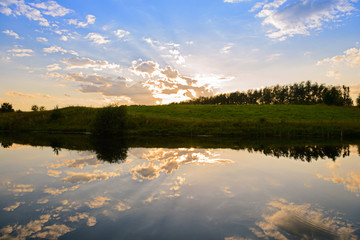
[236,120]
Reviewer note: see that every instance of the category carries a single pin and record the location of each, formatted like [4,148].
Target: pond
[80,187]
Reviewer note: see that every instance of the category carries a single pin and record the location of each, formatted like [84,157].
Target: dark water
[80,187]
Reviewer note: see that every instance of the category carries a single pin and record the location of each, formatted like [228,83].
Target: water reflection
[160,189]
[284,220]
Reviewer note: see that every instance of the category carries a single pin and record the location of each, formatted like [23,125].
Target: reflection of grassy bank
[230,120]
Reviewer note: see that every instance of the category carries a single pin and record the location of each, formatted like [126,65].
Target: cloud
[121,33]
[52,8]
[300,16]
[26,95]
[42,201]
[53,232]
[75,177]
[56,49]
[167,84]
[53,67]
[226,49]
[22,9]
[13,207]
[91,221]
[98,202]
[351,57]
[289,220]
[21,52]
[235,1]
[42,39]
[168,50]
[78,163]
[11,33]
[97,38]
[90,19]
[76,63]
[333,74]
[56,191]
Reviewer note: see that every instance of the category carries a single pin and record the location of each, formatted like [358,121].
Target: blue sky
[152,51]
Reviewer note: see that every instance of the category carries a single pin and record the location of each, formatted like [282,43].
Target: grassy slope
[246,120]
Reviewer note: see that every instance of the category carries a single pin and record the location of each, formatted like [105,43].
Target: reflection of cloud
[42,201]
[74,177]
[122,207]
[173,190]
[91,221]
[290,220]
[351,182]
[78,163]
[56,191]
[13,207]
[35,229]
[21,188]
[53,232]
[53,173]
[161,160]
[98,202]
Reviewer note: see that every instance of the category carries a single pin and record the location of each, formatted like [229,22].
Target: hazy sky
[93,53]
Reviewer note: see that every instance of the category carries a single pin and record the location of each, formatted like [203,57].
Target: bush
[110,121]
[358,101]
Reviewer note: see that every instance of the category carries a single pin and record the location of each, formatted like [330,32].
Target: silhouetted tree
[358,101]
[35,108]
[6,107]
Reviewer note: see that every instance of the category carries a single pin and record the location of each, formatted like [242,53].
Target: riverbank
[191,120]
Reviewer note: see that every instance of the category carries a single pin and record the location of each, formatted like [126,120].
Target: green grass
[230,120]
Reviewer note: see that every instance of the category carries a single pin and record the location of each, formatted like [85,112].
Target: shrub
[358,101]
[35,108]
[110,121]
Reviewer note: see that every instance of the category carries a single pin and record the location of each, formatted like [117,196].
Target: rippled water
[254,191]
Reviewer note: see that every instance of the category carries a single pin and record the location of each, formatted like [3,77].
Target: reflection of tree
[6,144]
[110,149]
[305,153]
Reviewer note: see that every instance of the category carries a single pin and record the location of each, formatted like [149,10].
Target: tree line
[297,93]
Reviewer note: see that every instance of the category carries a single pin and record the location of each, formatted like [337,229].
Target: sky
[96,53]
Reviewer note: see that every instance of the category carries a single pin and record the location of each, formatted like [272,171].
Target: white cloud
[52,8]
[84,177]
[168,50]
[234,1]
[97,38]
[226,49]
[27,95]
[333,74]
[351,58]
[21,52]
[42,39]
[90,19]
[121,33]
[64,38]
[73,63]
[53,67]
[301,16]
[11,33]
[56,49]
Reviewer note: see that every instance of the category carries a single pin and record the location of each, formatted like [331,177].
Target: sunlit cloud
[11,33]
[299,17]
[58,191]
[42,201]
[84,177]
[97,38]
[91,221]
[27,95]
[351,57]
[90,19]
[291,220]
[98,202]
[13,207]
[53,67]
[78,63]
[21,188]
[227,48]
[168,50]
[53,231]
[78,163]
[21,52]
[57,49]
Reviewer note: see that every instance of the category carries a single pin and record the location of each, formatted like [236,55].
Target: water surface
[78,187]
